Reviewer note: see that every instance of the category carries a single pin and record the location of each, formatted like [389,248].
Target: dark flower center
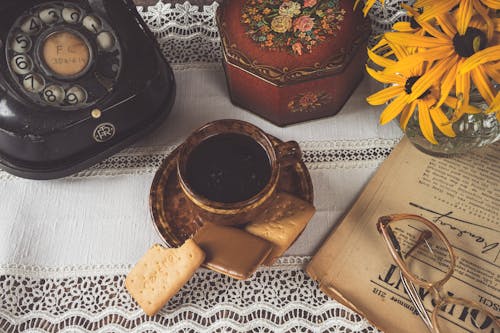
[474,40]
[409,85]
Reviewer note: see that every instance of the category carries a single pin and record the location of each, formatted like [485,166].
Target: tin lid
[283,41]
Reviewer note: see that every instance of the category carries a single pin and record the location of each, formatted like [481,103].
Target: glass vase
[472,131]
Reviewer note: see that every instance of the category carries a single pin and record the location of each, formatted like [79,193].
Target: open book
[460,195]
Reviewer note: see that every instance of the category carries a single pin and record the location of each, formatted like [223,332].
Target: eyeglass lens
[424,253]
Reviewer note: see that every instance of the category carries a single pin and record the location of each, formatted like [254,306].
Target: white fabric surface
[105,219]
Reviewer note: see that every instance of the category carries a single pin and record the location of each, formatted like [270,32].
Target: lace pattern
[281,298]
[316,155]
[384,16]
[185,32]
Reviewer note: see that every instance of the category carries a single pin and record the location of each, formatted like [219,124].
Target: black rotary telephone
[79,80]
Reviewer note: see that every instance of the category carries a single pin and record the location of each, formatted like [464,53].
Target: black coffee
[228,168]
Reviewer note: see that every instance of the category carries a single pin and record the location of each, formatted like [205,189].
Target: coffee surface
[228,168]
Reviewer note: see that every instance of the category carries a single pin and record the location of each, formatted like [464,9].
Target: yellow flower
[266,11]
[447,51]
[281,23]
[401,104]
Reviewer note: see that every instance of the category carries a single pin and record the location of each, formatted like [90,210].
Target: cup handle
[288,153]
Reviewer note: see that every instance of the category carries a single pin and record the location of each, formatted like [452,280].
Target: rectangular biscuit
[282,223]
[231,251]
[161,273]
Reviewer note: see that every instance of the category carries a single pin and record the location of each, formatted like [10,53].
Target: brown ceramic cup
[242,212]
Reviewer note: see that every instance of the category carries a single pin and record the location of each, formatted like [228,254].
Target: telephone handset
[79,79]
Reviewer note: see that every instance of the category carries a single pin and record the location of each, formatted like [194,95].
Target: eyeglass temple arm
[408,285]
[394,241]
[415,299]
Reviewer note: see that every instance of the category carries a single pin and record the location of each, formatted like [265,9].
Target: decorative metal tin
[276,52]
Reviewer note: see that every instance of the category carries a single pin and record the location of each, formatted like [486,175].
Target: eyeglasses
[426,259]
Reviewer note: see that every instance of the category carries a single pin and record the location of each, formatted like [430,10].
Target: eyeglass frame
[435,287]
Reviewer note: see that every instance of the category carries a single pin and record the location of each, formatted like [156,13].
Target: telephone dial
[79,80]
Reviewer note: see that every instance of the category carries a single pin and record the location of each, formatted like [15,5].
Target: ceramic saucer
[171,210]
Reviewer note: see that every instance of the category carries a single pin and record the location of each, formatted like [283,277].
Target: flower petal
[385,77]
[442,122]
[424,120]
[384,95]
[431,76]
[488,54]
[413,60]
[494,4]
[444,22]
[406,115]
[381,44]
[463,89]
[379,60]
[452,102]
[423,3]
[484,14]
[437,8]
[492,72]
[448,81]
[393,109]
[406,39]
[464,14]
[403,27]
[427,26]
[483,84]
[368,5]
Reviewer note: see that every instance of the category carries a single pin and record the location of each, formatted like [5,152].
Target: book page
[460,195]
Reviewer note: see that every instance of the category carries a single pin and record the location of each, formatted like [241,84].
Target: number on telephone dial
[78,81]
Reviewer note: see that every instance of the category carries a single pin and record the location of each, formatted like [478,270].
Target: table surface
[65,245]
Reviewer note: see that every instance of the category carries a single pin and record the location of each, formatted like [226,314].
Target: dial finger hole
[21,43]
[92,24]
[71,15]
[50,15]
[22,64]
[54,94]
[33,83]
[76,95]
[106,41]
[31,25]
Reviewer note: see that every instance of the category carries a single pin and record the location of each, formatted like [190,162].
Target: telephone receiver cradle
[79,80]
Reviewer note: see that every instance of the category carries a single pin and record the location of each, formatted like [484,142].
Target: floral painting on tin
[295,26]
[309,101]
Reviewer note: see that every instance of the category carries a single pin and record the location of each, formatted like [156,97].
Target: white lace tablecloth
[66,245]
